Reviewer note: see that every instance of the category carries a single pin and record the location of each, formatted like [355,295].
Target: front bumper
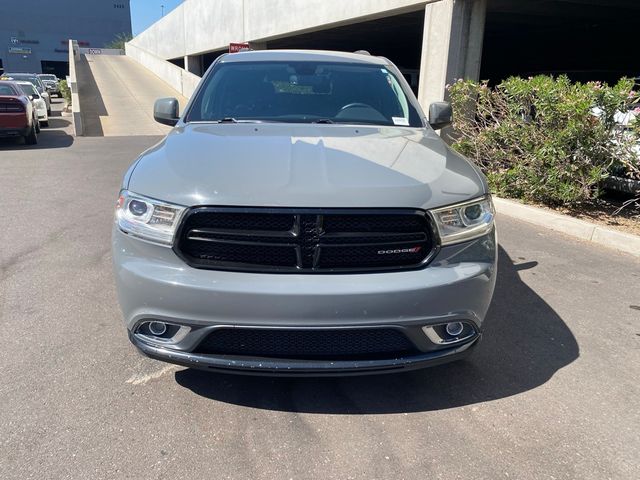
[290,367]
[154,284]
[41,110]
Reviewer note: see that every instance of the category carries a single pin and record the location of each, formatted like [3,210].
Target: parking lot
[552,392]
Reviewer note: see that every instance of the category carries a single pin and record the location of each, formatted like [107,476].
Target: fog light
[157,328]
[455,328]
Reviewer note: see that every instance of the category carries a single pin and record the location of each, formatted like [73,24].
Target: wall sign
[239,47]
[20,50]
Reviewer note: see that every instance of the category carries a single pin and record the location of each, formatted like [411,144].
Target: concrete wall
[72,80]
[199,26]
[178,78]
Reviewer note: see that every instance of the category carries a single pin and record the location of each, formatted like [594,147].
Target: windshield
[28,89]
[304,92]
[48,77]
[27,78]
[7,90]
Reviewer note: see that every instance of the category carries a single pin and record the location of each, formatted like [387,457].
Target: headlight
[148,219]
[466,221]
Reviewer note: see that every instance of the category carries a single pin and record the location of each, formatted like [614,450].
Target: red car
[17,114]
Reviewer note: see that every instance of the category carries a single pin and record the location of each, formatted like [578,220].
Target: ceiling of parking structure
[398,38]
[602,9]
[586,39]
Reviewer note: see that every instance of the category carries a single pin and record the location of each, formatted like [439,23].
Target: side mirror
[166,111]
[440,115]
[35,96]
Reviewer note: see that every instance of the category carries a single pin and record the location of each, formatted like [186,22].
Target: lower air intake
[312,344]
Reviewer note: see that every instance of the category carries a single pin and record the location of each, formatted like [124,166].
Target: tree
[119,40]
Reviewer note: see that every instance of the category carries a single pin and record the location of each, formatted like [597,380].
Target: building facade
[34,34]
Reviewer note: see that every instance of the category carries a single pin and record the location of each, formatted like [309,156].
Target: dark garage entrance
[59,69]
[586,39]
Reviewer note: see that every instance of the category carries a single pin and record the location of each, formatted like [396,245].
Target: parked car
[38,102]
[17,114]
[52,83]
[33,78]
[303,217]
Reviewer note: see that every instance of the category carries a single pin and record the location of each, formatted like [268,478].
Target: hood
[287,165]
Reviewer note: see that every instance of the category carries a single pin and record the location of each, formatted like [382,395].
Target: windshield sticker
[401,121]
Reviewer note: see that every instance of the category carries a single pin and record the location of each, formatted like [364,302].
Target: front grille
[305,240]
[313,344]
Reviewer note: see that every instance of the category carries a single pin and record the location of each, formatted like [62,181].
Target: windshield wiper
[226,120]
[234,120]
[323,120]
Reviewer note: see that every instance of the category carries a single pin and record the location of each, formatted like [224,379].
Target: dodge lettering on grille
[400,250]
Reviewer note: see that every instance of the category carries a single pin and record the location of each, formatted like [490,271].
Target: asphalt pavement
[552,393]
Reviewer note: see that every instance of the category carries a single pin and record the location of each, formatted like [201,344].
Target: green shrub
[118,41]
[66,91]
[538,139]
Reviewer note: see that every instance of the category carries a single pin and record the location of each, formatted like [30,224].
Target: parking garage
[432,42]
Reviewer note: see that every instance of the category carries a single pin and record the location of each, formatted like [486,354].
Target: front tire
[32,137]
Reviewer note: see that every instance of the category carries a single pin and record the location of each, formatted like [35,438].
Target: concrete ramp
[117,96]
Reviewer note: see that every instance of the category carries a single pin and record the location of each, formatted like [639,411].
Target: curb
[574,227]
[72,82]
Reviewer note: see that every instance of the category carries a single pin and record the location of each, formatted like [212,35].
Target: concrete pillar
[451,46]
[193,64]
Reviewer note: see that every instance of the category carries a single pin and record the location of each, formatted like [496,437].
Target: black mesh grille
[249,254]
[241,221]
[372,223]
[304,241]
[352,344]
[373,239]
[365,256]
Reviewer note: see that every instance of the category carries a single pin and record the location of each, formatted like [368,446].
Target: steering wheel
[355,105]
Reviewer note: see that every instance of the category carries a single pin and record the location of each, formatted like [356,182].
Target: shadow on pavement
[58,122]
[91,100]
[524,345]
[47,138]
[56,135]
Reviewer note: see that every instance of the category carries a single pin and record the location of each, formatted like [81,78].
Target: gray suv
[304,218]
